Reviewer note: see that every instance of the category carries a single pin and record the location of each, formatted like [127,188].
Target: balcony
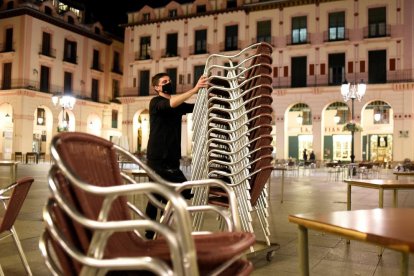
[298,39]
[7,47]
[336,36]
[142,56]
[397,76]
[117,70]
[166,53]
[230,46]
[97,66]
[49,52]
[70,59]
[268,39]
[377,30]
[200,50]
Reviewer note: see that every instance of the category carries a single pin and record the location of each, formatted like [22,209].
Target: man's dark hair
[155,79]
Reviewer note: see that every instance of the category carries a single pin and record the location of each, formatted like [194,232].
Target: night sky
[113,13]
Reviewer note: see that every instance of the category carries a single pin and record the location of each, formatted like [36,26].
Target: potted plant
[352,126]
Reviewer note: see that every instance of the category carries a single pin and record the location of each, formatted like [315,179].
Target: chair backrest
[15,202]
[18,155]
[93,160]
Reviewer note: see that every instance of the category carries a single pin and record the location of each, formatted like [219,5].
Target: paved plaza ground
[305,191]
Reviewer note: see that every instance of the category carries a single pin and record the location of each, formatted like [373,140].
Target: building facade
[47,49]
[318,45]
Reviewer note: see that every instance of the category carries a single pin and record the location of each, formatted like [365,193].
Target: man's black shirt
[164,144]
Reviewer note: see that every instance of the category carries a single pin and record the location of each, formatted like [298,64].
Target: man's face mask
[167,88]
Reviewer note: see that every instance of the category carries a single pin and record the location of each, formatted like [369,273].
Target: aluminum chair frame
[184,259]
[19,191]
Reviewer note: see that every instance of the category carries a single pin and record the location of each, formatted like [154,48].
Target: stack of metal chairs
[232,133]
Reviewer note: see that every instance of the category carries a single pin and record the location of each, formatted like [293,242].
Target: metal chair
[12,205]
[233,119]
[91,229]
[18,155]
[41,156]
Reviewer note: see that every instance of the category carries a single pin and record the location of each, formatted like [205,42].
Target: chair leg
[21,252]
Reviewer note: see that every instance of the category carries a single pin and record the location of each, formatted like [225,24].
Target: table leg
[348,203]
[1,271]
[395,199]
[381,198]
[404,264]
[303,250]
[14,175]
[283,185]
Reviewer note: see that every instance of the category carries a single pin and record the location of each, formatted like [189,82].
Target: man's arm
[176,100]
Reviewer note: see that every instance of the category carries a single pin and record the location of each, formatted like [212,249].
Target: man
[164,143]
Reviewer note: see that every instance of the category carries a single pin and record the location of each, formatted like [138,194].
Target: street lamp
[353,91]
[66,102]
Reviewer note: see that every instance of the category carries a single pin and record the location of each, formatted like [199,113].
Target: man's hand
[201,83]
[176,100]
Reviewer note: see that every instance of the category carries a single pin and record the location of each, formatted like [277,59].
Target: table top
[387,227]
[8,162]
[136,172]
[404,173]
[381,183]
[279,168]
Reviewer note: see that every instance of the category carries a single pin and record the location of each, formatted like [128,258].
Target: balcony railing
[168,53]
[73,60]
[49,52]
[327,37]
[291,40]
[142,56]
[200,51]
[398,76]
[97,66]
[269,39]
[116,70]
[6,47]
[377,30]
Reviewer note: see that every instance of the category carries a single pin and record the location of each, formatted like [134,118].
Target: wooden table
[403,174]
[13,168]
[381,185]
[282,169]
[138,173]
[376,226]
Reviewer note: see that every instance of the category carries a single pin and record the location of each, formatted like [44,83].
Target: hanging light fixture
[299,119]
[39,120]
[377,114]
[337,118]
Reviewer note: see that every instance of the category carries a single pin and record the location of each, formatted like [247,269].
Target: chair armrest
[221,212]
[207,183]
